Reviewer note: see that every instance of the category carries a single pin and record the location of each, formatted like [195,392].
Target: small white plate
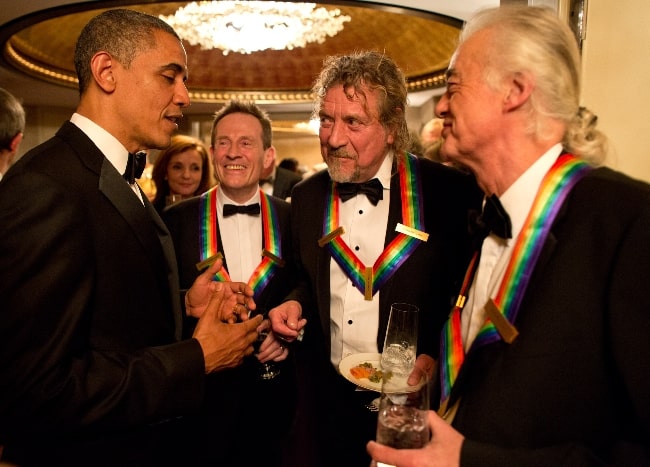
[355,359]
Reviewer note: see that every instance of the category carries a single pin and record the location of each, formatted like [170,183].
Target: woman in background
[181,171]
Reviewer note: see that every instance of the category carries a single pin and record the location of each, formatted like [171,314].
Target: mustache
[340,153]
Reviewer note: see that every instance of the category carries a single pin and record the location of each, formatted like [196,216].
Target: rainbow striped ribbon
[271,242]
[502,310]
[370,279]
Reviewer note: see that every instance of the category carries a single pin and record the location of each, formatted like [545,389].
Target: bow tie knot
[232,209]
[494,218]
[135,166]
[373,190]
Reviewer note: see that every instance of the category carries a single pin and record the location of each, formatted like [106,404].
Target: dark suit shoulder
[457,189]
[180,214]
[187,206]
[280,204]
[607,181]
[316,182]
[605,197]
[59,155]
[291,177]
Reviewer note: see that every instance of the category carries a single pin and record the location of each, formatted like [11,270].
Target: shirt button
[349,321]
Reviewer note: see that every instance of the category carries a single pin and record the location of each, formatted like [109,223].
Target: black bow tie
[373,190]
[134,166]
[250,209]
[494,219]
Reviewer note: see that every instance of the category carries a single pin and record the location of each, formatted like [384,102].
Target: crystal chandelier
[251,26]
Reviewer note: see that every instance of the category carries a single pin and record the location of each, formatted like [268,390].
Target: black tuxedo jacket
[214,434]
[90,363]
[574,387]
[284,181]
[427,279]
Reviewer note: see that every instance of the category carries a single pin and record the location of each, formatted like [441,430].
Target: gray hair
[122,33]
[535,40]
[375,71]
[12,118]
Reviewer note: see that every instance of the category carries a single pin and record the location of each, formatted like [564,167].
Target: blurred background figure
[415,144]
[278,180]
[290,163]
[431,139]
[181,171]
[12,125]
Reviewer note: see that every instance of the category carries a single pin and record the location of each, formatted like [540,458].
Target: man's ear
[15,142]
[269,157]
[519,88]
[101,66]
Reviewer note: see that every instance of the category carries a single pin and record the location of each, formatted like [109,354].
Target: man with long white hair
[552,363]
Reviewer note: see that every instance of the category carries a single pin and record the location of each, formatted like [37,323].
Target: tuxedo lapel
[167,245]
[322,257]
[394,217]
[118,192]
[148,229]
[475,360]
[220,247]
[395,210]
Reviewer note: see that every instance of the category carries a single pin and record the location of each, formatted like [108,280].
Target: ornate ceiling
[42,46]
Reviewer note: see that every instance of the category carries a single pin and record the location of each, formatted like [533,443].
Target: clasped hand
[286,321]
[224,330]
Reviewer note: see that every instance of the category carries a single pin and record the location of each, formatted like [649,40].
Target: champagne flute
[400,343]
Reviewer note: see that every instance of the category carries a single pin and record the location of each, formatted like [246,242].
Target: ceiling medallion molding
[24,62]
[261,97]
[421,83]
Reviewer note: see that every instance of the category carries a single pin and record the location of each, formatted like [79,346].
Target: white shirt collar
[222,199]
[385,171]
[112,149]
[518,198]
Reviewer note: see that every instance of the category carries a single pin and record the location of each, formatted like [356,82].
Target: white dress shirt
[354,321]
[241,235]
[496,252]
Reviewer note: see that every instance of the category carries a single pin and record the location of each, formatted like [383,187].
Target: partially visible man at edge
[91,368]
[558,375]
[12,126]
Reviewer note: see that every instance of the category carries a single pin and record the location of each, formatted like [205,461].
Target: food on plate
[368,371]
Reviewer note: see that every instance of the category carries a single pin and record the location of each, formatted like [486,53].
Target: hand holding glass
[268,370]
[402,418]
